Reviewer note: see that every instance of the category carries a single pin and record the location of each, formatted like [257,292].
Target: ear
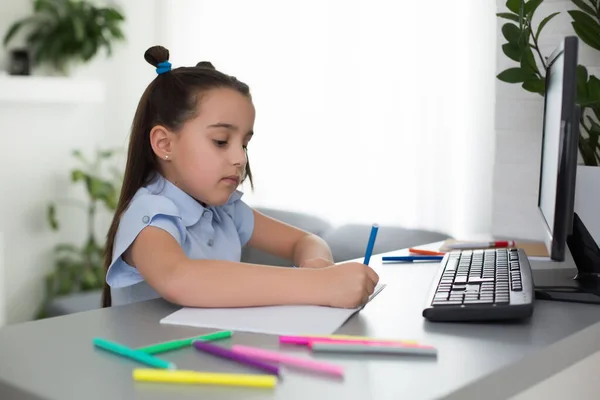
[161,140]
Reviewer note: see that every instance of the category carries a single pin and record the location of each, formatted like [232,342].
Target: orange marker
[426,252]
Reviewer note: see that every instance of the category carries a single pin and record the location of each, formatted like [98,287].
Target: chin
[220,200]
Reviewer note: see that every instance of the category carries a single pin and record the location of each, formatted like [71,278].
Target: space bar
[479,280]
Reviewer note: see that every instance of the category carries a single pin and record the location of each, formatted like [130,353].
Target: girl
[180,223]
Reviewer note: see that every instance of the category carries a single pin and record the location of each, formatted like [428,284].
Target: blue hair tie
[163,67]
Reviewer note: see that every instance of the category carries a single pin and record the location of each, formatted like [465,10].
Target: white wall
[3,283]
[519,130]
[36,156]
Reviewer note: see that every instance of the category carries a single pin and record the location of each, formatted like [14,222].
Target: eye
[220,143]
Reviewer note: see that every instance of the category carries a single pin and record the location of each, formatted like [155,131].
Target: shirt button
[210,242]
[145,219]
[206,213]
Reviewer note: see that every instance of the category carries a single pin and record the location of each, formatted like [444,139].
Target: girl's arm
[211,283]
[286,241]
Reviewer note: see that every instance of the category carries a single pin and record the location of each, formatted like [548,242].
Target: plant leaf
[51,216]
[512,51]
[584,19]
[515,75]
[586,28]
[531,6]
[593,89]
[511,33]
[50,281]
[77,175]
[528,61]
[543,24]
[15,27]
[514,6]
[509,16]
[587,37]
[584,7]
[582,89]
[535,86]
[66,247]
[79,155]
[40,6]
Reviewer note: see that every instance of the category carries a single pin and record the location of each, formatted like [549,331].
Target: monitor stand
[584,285]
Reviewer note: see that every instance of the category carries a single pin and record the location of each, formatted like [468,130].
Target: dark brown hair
[170,100]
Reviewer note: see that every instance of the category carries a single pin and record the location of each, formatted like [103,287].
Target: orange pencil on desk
[426,252]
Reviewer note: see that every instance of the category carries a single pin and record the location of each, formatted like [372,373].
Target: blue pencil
[412,258]
[371,244]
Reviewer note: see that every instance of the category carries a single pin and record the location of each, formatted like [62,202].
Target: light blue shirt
[216,233]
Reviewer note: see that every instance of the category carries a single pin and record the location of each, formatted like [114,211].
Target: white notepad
[276,320]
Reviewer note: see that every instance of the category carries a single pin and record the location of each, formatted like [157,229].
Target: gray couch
[347,242]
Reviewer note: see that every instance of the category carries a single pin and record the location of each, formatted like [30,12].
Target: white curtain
[367,111]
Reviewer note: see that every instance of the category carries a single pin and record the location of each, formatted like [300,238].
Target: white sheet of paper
[276,320]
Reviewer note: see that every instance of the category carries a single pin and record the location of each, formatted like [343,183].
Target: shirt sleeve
[144,210]
[242,215]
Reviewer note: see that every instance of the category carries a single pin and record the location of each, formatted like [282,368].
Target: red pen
[473,245]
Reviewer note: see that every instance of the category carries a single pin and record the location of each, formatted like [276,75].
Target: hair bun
[156,55]
[205,64]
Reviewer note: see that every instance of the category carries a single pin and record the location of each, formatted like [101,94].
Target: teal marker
[181,343]
[136,355]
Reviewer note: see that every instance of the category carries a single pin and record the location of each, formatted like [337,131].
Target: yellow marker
[361,338]
[207,378]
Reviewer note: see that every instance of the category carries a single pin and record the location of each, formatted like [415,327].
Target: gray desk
[55,359]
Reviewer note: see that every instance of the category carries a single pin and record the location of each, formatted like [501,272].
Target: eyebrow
[228,126]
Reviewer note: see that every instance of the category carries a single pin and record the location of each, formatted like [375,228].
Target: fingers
[371,287]
[365,298]
[372,275]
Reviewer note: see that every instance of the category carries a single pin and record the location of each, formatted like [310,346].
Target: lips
[233,179]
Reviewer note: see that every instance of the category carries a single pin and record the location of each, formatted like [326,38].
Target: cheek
[200,157]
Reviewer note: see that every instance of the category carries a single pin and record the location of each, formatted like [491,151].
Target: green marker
[180,343]
[132,353]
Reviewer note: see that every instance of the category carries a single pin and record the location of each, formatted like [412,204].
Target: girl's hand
[346,285]
[318,262]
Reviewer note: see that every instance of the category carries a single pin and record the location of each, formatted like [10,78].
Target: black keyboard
[481,285]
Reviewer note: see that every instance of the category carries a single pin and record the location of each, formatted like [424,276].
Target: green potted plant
[78,268]
[65,32]
[521,46]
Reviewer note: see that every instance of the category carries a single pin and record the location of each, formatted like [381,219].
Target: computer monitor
[558,166]
[556,195]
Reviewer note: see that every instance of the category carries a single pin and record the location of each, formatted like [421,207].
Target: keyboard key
[474,280]
[451,265]
[446,303]
[503,299]
[479,301]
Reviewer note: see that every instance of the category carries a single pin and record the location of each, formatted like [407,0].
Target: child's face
[208,154]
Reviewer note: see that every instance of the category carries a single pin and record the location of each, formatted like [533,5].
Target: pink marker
[292,361]
[307,340]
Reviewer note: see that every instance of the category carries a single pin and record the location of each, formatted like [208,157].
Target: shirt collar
[191,210]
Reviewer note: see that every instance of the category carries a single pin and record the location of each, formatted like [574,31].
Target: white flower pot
[587,199]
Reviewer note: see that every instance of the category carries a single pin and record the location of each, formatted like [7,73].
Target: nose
[239,156]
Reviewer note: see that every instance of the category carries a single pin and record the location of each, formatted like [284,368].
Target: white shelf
[51,89]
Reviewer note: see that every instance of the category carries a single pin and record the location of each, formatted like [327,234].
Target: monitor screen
[559,148]
[553,127]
